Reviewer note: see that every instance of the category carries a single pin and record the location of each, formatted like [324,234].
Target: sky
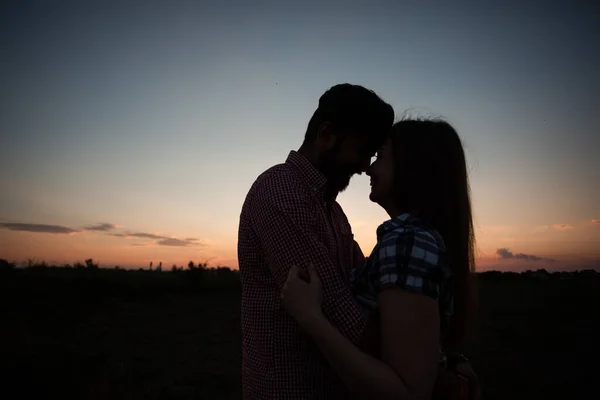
[131,131]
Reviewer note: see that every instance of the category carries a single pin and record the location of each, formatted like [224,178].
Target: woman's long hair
[431,178]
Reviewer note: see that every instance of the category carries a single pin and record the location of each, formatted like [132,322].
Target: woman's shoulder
[408,229]
[411,255]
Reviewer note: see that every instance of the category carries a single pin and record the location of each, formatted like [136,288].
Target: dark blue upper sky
[107,106]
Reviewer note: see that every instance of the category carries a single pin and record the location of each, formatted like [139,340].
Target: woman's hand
[301,298]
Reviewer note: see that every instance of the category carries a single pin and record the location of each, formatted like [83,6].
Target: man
[290,216]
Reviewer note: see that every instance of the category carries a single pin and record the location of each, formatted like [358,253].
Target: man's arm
[284,224]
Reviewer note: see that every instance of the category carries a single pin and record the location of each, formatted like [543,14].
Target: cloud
[141,235]
[161,240]
[179,242]
[104,227]
[595,222]
[172,242]
[39,228]
[558,227]
[563,227]
[146,235]
[506,254]
[100,227]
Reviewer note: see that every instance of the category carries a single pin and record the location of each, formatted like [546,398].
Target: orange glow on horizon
[498,247]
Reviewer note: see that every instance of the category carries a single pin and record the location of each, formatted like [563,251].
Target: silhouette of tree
[6,266]
[196,271]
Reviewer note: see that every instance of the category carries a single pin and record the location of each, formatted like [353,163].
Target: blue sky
[156,117]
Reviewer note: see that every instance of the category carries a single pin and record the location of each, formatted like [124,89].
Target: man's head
[349,125]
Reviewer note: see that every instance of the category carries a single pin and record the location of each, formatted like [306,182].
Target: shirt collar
[400,221]
[309,174]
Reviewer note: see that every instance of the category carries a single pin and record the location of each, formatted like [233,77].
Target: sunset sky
[131,134]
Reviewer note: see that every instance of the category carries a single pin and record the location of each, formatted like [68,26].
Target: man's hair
[352,109]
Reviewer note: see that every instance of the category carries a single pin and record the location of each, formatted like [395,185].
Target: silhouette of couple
[319,321]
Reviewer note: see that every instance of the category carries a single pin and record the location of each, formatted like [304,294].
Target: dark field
[114,334]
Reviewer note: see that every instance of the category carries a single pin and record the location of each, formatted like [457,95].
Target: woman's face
[382,176]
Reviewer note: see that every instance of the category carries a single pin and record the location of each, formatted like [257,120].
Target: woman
[415,283]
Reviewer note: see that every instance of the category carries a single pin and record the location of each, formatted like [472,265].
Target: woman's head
[422,169]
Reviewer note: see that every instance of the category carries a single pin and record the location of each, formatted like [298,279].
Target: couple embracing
[321,321]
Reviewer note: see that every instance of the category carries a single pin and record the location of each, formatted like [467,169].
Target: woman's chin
[373,196]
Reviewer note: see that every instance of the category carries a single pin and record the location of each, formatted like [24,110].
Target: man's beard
[338,179]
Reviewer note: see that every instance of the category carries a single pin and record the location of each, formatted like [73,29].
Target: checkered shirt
[284,221]
[409,254]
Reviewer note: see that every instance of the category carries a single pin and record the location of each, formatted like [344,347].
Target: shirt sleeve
[411,260]
[285,226]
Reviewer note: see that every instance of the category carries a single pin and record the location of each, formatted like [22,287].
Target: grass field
[114,334]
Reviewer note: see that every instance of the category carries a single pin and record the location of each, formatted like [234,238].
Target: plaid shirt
[285,221]
[408,254]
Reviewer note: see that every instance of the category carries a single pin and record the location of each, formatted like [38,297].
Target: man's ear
[326,137]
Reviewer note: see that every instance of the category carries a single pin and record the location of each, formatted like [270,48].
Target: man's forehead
[369,142]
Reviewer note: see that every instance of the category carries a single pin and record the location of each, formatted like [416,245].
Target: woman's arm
[409,341]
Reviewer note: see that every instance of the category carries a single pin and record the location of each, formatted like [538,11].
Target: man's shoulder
[276,184]
[275,174]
